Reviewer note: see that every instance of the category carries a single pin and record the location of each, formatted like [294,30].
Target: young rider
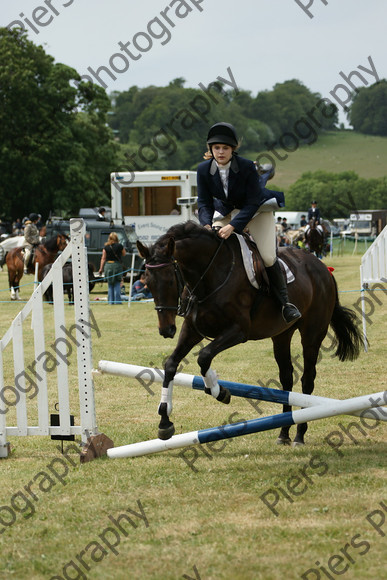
[230,196]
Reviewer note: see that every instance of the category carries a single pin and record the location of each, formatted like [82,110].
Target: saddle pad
[247,257]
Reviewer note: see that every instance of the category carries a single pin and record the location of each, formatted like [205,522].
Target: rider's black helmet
[222,133]
[33,217]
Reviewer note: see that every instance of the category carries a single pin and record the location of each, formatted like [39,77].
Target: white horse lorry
[153,201]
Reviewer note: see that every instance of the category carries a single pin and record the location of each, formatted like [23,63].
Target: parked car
[97,233]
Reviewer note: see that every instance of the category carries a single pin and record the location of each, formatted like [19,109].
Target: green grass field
[201,513]
[333,152]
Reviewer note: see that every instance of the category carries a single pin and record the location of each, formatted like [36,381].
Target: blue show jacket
[246,192]
[314,212]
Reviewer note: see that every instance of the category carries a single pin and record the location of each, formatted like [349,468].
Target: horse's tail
[346,327]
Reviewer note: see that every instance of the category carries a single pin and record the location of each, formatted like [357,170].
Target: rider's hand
[226,231]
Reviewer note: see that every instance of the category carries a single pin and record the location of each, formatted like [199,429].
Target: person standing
[31,236]
[111,265]
[232,196]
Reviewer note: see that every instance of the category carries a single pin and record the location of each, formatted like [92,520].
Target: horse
[314,238]
[192,272]
[68,282]
[43,254]
[295,236]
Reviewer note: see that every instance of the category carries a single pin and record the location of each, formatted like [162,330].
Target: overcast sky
[262,41]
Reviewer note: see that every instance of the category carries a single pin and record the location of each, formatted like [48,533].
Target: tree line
[61,137]
[338,194]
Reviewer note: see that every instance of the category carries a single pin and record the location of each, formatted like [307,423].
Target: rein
[185,309]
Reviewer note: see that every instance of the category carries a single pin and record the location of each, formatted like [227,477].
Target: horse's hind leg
[310,349]
[281,347]
[14,287]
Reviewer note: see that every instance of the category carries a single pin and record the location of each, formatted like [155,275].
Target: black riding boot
[279,290]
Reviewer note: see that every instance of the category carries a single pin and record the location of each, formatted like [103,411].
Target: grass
[334,152]
[209,522]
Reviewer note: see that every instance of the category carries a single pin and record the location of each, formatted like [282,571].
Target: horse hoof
[298,443]
[224,396]
[283,441]
[167,433]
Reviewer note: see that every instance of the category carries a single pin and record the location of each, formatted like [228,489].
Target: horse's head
[61,241]
[160,277]
[55,244]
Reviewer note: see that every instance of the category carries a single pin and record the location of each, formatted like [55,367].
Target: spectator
[303,221]
[111,265]
[17,227]
[285,226]
[140,290]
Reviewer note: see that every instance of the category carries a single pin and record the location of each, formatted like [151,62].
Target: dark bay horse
[314,239]
[44,254]
[190,271]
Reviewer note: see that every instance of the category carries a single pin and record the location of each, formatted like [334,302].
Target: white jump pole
[236,389]
[331,409]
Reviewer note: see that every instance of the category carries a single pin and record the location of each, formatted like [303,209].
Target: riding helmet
[222,133]
[33,217]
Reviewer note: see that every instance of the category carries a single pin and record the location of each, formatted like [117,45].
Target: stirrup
[290,312]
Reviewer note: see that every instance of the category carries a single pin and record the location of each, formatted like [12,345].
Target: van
[97,233]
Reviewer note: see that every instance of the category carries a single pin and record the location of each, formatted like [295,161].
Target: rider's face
[222,153]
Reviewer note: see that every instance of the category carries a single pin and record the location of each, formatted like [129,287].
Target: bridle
[184,307]
[179,280]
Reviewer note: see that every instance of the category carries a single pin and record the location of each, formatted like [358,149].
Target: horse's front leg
[188,338]
[232,336]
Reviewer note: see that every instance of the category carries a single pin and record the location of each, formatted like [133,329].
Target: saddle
[253,263]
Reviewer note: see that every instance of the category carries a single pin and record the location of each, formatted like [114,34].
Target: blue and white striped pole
[247,427]
[236,389]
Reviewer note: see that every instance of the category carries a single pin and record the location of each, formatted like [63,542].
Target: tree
[368,112]
[185,114]
[56,150]
[288,103]
[338,194]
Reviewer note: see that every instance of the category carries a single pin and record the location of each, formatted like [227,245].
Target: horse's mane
[182,231]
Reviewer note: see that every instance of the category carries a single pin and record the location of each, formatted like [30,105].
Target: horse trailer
[153,201]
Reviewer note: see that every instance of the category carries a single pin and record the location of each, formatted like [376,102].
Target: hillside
[334,152]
